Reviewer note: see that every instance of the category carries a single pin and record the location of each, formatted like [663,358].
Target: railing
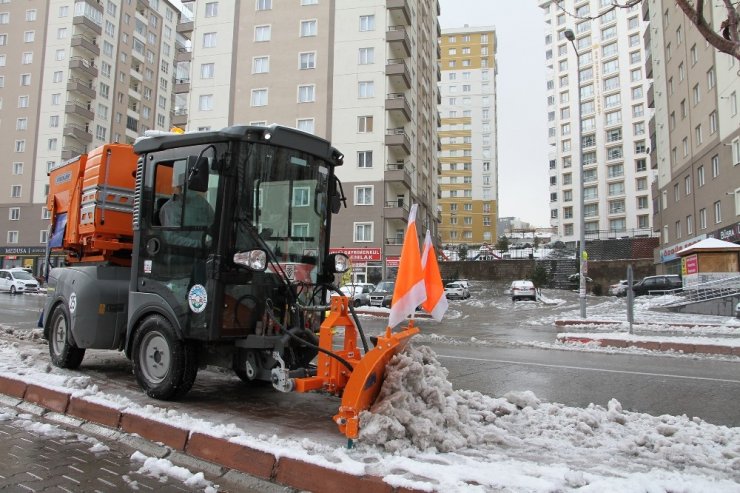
[394,241]
[706,291]
[395,204]
[605,234]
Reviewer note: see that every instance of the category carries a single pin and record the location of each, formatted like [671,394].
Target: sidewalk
[703,344]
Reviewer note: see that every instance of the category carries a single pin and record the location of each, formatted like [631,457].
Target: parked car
[359,293]
[383,294]
[619,289]
[576,278]
[18,281]
[523,290]
[657,284]
[456,290]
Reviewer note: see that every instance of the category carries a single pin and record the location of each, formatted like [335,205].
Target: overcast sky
[522,112]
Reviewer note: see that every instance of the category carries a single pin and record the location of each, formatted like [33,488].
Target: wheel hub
[155,358]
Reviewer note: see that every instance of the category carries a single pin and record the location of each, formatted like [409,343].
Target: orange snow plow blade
[367,378]
[360,385]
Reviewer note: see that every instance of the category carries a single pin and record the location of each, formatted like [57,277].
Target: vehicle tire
[12,290]
[357,303]
[513,300]
[164,365]
[62,350]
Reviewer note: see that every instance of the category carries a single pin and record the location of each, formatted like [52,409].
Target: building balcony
[397,102]
[397,68]
[76,108]
[180,116]
[651,96]
[85,24]
[396,209]
[69,152]
[81,87]
[396,137]
[185,26]
[80,66]
[397,173]
[82,42]
[183,55]
[399,10]
[398,40]
[142,4]
[182,85]
[77,132]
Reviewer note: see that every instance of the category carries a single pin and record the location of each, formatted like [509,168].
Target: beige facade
[695,134]
[468,136]
[74,75]
[360,73]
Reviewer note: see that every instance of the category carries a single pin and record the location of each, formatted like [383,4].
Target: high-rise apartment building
[597,120]
[73,75]
[360,73]
[695,132]
[468,135]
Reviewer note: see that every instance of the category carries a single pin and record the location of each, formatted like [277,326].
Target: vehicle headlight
[253,259]
[337,263]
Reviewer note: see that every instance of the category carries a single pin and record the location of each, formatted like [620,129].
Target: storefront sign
[689,265]
[22,251]
[669,253]
[392,261]
[730,233]
[359,255]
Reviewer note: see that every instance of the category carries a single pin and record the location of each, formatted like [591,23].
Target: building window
[205,102]
[366,89]
[17,168]
[264,5]
[262,33]
[207,70]
[717,212]
[308,28]
[367,23]
[702,219]
[689,225]
[364,195]
[259,97]
[13,237]
[307,60]
[306,125]
[209,40]
[306,94]
[211,9]
[642,202]
[712,122]
[260,65]
[364,124]
[700,176]
[14,213]
[366,56]
[364,159]
[363,232]
[15,191]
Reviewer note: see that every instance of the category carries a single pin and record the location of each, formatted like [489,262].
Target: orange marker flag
[436,303]
[409,291]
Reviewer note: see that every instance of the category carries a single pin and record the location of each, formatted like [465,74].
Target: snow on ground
[424,434]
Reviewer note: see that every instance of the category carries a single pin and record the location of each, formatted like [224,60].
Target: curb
[654,345]
[284,471]
[567,323]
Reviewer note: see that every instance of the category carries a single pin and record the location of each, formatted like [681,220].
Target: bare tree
[725,37]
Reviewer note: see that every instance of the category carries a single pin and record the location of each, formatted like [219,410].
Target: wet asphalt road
[481,347]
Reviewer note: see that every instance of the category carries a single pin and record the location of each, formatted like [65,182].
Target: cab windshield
[282,195]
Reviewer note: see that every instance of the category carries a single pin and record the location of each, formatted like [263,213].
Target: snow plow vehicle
[210,248]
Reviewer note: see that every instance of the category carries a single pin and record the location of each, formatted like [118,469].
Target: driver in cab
[186,210]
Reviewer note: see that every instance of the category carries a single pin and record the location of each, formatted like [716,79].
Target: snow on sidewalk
[424,435]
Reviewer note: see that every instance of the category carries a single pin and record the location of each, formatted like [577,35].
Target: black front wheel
[164,365]
[62,349]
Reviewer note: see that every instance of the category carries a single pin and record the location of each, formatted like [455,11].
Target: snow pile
[162,468]
[417,408]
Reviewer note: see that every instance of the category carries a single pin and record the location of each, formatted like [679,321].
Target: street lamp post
[570,36]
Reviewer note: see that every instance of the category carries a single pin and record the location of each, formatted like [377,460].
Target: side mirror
[337,263]
[255,260]
[336,196]
[198,173]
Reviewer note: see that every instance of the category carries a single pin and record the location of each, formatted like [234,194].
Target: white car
[523,290]
[456,290]
[619,289]
[17,281]
[358,293]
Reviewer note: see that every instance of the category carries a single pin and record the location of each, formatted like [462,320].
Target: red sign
[359,254]
[392,261]
[691,265]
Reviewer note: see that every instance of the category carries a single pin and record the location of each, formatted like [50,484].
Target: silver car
[358,293]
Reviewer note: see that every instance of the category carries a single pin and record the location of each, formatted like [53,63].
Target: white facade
[613,141]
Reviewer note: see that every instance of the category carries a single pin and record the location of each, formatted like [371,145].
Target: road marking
[685,377]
